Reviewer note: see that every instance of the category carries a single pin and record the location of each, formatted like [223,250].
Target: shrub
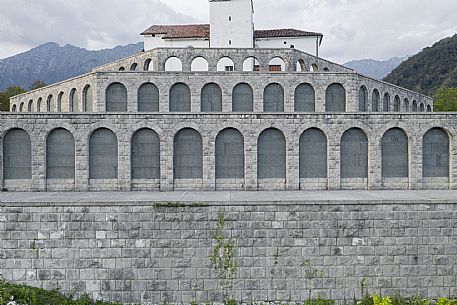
[409,301]
[22,294]
[319,301]
[378,300]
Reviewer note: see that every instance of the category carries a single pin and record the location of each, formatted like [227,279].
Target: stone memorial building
[229,108]
[225,107]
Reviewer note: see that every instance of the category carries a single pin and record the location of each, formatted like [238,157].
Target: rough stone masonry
[156,247]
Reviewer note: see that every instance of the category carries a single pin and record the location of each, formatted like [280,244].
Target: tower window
[230,18]
[230,42]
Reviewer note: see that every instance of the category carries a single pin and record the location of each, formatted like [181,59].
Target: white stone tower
[232,24]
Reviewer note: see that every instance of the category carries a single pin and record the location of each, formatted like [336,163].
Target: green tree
[5,97]
[430,69]
[445,100]
[37,85]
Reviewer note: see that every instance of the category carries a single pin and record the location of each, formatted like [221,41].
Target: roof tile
[179,31]
[283,33]
[203,31]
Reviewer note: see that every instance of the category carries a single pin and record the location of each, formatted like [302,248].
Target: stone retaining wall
[160,251]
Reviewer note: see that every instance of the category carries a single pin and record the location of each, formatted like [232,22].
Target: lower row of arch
[188,154]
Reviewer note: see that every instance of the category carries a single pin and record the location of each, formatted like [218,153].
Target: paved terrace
[232,198]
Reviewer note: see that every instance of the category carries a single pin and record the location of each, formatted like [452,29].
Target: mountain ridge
[375,68]
[52,63]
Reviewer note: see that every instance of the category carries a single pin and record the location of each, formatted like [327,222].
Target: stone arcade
[125,128]
[229,108]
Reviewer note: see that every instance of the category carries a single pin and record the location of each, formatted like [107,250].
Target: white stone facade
[232,24]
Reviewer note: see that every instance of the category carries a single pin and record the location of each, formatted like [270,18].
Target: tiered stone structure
[238,130]
[227,121]
[134,125]
[150,67]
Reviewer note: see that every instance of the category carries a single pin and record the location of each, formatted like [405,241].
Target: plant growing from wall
[446,301]
[378,300]
[397,300]
[311,274]
[319,301]
[276,256]
[222,256]
[363,285]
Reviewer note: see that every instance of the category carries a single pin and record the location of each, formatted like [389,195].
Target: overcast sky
[353,29]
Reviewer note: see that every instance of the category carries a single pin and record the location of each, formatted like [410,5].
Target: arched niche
[173,64]
[229,154]
[199,64]
[225,64]
[188,155]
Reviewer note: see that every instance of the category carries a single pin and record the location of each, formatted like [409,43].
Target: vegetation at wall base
[319,301]
[26,295]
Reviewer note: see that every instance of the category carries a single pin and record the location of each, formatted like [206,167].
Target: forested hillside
[435,67]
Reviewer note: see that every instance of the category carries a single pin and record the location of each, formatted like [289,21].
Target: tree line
[9,92]
[433,72]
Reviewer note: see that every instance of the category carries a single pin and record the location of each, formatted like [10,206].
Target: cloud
[353,29]
[84,23]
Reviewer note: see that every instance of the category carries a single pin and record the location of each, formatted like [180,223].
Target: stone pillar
[195,96]
[82,162]
[334,164]
[209,164]
[293,166]
[414,153]
[124,165]
[164,97]
[227,97]
[258,99]
[251,164]
[166,164]
[374,164]
[132,98]
[289,93]
[38,163]
[319,100]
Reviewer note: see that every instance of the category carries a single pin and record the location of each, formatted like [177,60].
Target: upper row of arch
[226,64]
[73,102]
[211,99]
[383,102]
